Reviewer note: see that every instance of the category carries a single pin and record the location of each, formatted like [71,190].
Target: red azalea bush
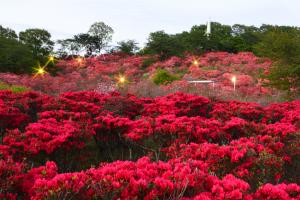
[142,180]
[10,176]
[244,158]
[280,191]
[200,148]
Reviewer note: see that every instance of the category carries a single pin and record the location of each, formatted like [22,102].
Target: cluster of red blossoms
[87,145]
[100,73]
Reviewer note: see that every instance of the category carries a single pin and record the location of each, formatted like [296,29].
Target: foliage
[280,45]
[90,43]
[7,33]
[13,88]
[68,47]
[162,76]
[15,57]
[163,44]
[102,34]
[227,38]
[39,40]
[283,46]
[88,145]
[129,47]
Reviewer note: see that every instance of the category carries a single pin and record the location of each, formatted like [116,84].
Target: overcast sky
[135,19]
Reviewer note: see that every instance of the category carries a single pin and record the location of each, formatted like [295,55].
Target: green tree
[15,57]
[282,45]
[90,43]
[129,47]
[220,39]
[39,40]
[100,35]
[68,47]
[244,37]
[164,45]
[8,33]
[195,40]
[85,42]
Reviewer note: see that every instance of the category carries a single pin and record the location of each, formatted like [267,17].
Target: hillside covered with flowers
[102,73]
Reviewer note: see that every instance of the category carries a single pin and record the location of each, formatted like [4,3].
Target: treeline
[19,52]
[227,38]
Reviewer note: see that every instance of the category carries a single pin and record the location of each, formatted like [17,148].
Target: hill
[103,74]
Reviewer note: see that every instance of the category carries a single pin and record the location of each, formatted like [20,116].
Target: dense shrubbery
[176,146]
[101,74]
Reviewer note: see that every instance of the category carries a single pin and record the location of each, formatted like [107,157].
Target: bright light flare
[195,62]
[79,60]
[122,79]
[233,79]
[40,71]
[51,58]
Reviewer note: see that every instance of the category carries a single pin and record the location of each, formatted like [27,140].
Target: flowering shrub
[141,180]
[10,175]
[87,145]
[281,191]
[244,158]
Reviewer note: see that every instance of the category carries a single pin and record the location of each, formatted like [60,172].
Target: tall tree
[15,57]
[68,47]
[129,47]
[164,45]
[39,40]
[244,37]
[282,45]
[100,35]
[7,33]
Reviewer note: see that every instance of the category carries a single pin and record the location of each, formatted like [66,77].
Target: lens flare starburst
[195,62]
[39,71]
[121,80]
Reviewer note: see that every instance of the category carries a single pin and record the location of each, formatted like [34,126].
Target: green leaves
[15,57]
[39,41]
[163,77]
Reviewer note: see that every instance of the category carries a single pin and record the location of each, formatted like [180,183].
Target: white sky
[135,19]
